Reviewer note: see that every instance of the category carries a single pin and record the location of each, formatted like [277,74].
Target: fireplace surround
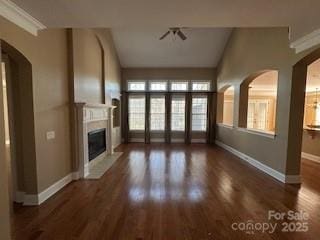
[90,119]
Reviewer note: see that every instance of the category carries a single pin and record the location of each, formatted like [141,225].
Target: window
[199,114]
[262,98]
[178,109]
[136,112]
[136,86]
[157,113]
[179,86]
[228,100]
[200,86]
[158,86]
[258,111]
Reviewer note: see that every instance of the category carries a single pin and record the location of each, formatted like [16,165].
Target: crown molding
[18,16]
[310,40]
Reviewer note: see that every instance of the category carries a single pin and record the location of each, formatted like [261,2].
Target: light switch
[51,135]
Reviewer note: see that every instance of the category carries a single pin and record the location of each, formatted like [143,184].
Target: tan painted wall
[250,50]
[311,145]
[48,56]
[111,64]
[88,69]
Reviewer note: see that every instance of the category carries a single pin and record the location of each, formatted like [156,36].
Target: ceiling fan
[175,31]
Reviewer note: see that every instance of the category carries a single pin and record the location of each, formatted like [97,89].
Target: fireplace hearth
[96,143]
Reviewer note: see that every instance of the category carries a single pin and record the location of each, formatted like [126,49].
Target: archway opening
[225,107]
[311,119]
[262,99]
[19,118]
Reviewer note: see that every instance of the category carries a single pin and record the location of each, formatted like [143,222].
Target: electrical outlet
[51,135]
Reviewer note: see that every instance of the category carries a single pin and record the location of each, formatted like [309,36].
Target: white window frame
[199,114]
[177,97]
[129,112]
[256,103]
[158,81]
[157,113]
[177,82]
[136,81]
[200,82]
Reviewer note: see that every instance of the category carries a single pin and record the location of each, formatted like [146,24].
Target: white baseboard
[31,200]
[37,199]
[198,140]
[86,169]
[19,197]
[75,175]
[136,140]
[270,171]
[157,140]
[310,157]
[177,140]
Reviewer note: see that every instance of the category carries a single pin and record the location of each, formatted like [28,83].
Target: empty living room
[159,120]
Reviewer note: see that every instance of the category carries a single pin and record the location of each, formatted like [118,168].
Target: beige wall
[96,67]
[311,145]
[87,66]
[248,51]
[112,66]
[47,54]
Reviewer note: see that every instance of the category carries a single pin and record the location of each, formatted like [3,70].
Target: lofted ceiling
[141,47]
[124,15]
[193,13]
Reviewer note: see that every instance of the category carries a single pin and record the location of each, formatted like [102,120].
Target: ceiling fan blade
[164,35]
[181,35]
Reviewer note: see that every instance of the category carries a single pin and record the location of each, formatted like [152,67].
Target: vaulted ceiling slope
[141,47]
[301,16]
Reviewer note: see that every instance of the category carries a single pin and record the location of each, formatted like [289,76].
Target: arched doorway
[301,128]
[20,139]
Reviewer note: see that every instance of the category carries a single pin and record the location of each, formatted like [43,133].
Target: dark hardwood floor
[173,192]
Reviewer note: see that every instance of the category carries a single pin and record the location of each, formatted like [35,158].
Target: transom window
[199,113]
[179,86]
[157,113]
[136,113]
[200,86]
[178,109]
[158,86]
[136,86]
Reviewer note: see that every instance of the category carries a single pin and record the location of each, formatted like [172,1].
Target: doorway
[9,131]
[311,120]
[19,124]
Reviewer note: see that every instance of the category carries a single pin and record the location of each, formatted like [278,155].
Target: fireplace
[96,143]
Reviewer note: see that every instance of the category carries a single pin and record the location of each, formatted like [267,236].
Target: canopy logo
[290,221]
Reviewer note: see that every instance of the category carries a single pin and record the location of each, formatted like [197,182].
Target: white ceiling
[194,13]
[141,47]
[301,16]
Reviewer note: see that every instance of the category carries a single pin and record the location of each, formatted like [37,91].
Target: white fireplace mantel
[90,114]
